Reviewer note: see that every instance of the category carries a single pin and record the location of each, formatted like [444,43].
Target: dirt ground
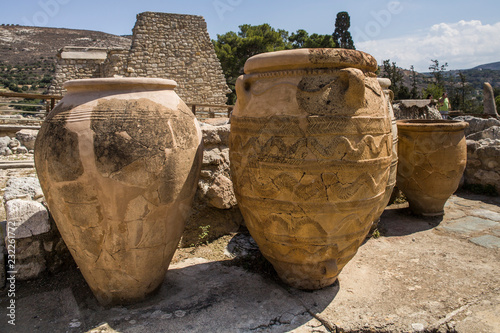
[419,275]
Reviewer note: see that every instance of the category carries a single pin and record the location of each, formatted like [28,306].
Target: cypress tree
[341,35]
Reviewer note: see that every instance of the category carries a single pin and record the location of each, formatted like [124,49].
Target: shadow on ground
[400,221]
[243,294]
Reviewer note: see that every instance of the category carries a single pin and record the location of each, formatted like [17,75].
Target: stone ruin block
[416,109]
[39,246]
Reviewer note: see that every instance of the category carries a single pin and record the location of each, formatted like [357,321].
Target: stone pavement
[477,221]
[421,275]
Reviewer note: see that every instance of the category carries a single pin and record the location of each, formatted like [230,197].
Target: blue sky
[410,32]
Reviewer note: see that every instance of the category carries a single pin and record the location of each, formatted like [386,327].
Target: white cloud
[462,45]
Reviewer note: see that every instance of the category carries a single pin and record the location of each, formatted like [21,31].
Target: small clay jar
[432,158]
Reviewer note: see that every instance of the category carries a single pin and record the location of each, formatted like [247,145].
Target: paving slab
[486,214]
[469,224]
[488,241]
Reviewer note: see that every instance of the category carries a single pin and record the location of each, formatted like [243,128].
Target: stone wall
[483,152]
[115,64]
[170,46]
[215,211]
[178,47]
[39,247]
[77,63]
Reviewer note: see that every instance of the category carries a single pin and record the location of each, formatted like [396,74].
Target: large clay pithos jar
[432,158]
[391,182]
[310,151]
[118,161]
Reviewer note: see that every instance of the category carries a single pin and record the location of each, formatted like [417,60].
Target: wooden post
[47,107]
[52,103]
[211,113]
[193,108]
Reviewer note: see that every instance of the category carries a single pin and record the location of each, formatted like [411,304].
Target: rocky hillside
[478,75]
[27,45]
[27,54]
[474,77]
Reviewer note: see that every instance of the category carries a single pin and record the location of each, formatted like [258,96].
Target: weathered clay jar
[391,182]
[310,150]
[118,162]
[432,159]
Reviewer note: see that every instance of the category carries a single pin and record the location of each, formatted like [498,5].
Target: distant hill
[28,54]
[478,75]
[21,45]
[495,66]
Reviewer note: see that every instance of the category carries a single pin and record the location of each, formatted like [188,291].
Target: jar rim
[139,83]
[310,58]
[431,124]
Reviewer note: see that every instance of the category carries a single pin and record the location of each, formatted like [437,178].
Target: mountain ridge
[24,44]
[495,66]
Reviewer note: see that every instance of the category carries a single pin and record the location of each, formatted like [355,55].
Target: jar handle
[355,93]
[391,95]
[243,93]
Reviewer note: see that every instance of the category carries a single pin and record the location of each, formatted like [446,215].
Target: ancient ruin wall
[77,63]
[115,64]
[178,47]
[170,46]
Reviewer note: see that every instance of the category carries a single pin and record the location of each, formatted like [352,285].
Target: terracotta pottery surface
[391,182]
[118,162]
[310,150]
[432,159]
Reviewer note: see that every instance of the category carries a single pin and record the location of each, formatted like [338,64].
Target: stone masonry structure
[77,63]
[483,152]
[170,46]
